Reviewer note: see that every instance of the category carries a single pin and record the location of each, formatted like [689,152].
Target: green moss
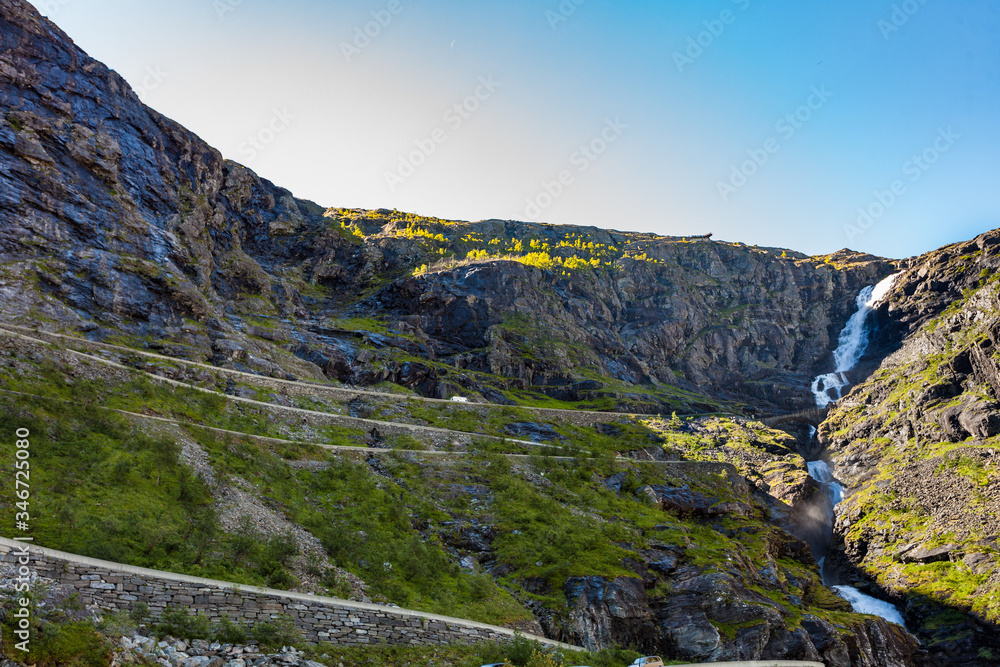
[370,324]
[58,644]
[728,631]
[946,620]
[16,123]
[970,467]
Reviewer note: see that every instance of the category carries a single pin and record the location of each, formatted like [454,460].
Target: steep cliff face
[117,221]
[917,446]
[116,210]
[119,224]
[745,322]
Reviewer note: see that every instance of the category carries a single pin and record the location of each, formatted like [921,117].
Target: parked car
[648,661]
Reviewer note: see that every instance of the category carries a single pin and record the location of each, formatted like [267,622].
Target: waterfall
[861,603]
[866,604]
[820,471]
[851,346]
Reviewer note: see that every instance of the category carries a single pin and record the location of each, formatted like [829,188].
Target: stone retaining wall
[113,586]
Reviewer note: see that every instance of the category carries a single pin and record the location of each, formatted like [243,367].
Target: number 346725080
[23,474]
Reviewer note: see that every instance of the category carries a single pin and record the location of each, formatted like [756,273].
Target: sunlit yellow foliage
[412,232]
[575,263]
[641,257]
[353,230]
[542,260]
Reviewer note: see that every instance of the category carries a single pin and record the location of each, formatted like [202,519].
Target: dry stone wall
[113,586]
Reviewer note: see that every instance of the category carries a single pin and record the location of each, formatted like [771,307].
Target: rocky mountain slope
[205,354]
[917,444]
[599,547]
[116,221]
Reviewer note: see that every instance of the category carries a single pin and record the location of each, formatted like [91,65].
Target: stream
[828,388]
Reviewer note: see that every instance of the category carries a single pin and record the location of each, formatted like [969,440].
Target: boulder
[534,432]
[606,612]
[923,554]
[981,421]
[684,501]
[979,563]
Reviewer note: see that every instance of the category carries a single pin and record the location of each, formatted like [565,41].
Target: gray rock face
[723,316]
[139,223]
[114,219]
[683,501]
[935,386]
[608,613]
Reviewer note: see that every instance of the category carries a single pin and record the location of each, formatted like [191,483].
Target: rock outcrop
[917,447]
[118,222]
[120,225]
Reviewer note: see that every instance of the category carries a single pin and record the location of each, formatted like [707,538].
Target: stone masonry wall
[113,586]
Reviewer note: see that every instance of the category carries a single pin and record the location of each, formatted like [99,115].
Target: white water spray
[820,471]
[861,603]
[851,345]
[866,604]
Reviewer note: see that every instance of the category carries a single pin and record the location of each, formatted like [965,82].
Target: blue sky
[810,125]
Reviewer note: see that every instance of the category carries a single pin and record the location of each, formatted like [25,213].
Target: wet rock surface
[117,223]
[916,446]
[116,220]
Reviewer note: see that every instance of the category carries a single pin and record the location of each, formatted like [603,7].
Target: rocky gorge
[262,387]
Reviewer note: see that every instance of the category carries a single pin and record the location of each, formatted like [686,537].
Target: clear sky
[770,123]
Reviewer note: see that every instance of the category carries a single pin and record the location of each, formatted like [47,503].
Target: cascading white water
[866,604]
[851,346]
[820,471]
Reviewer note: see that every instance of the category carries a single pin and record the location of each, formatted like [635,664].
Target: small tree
[543,659]
[165,453]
